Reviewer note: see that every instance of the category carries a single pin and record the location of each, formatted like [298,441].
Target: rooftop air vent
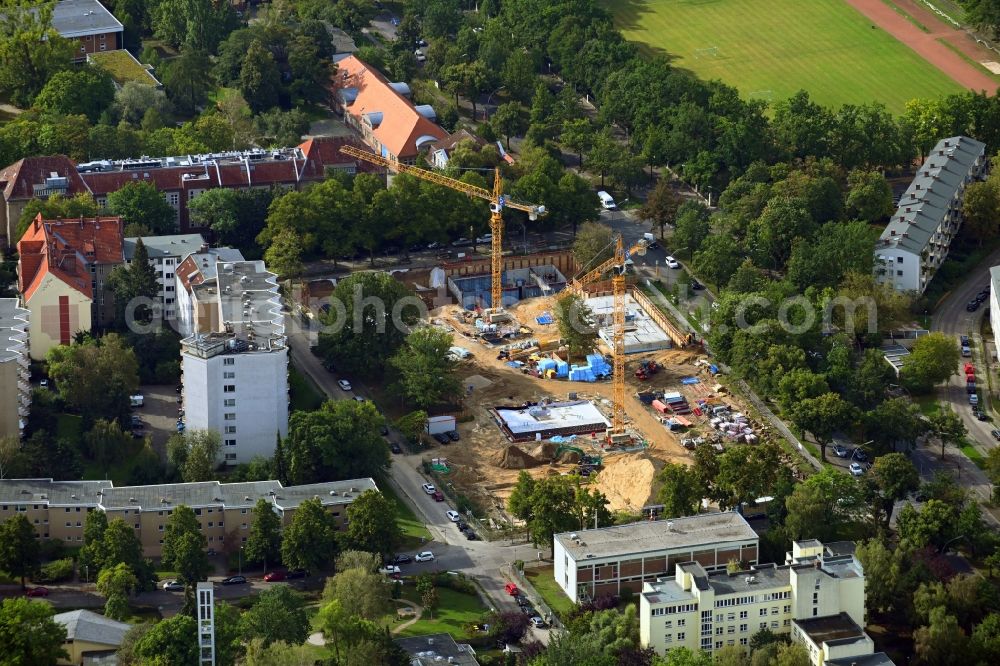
[333,493]
[131,499]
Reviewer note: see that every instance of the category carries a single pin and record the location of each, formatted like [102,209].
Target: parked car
[438,496]
[389,570]
[429,488]
[453,435]
[981,415]
[966,352]
[394,447]
[964,340]
[425,556]
[537,622]
[974,400]
[470,535]
[172,586]
[972,306]
[234,580]
[441,438]
[697,286]
[433,245]
[529,610]
[511,589]
[462,242]
[840,451]
[421,58]
[857,469]
[485,238]
[859,454]
[402,559]
[453,516]
[421,42]
[983,296]
[671,262]
[394,21]
[274,576]
[44,384]
[136,400]
[43,592]
[520,599]
[996,434]
[344,385]
[359,398]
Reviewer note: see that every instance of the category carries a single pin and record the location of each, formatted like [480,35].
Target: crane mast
[497,203]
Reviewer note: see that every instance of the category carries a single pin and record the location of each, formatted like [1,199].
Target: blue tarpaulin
[515,364]
[690,380]
[713,369]
[544,319]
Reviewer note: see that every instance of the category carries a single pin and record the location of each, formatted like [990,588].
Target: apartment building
[90,24]
[817,597]
[610,560]
[165,254]
[197,289]
[181,178]
[34,178]
[382,112]
[916,240]
[58,509]
[235,362]
[62,272]
[15,376]
[995,303]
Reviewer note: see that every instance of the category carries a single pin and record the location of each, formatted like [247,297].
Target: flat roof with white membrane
[642,334]
[578,415]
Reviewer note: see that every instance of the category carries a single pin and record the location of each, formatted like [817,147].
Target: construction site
[645,396]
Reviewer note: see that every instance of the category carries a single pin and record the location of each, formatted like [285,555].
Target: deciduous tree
[195,454]
[184,546]
[18,547]
[340,440]
[141,203]
[822,416]
[662,205]
[577,327]
[681,492]
[259,79]
[86,92]
[365,593]
[29,635]
[426,368]
[264,541]
[894,477]
[594,245]
[932,360]
[717,260]
[31,49]
[310,539]
[188,79]
[117,584]
[170,641]
[372,525]
[278,614]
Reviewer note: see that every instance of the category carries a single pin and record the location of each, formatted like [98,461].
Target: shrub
[458,582]
[56,571]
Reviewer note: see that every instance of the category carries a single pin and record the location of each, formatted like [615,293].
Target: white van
[607,202]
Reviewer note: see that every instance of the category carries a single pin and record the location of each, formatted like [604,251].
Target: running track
[926,45]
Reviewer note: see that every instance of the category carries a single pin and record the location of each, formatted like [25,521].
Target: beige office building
[58,509]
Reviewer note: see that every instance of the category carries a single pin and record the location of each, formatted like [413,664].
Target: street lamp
[486,107]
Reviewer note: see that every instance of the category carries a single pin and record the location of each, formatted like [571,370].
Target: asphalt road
[952,318]
[483,561]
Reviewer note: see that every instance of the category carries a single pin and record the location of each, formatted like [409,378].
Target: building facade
[90,24]
[610,560]
[62,272]
[708,611]
[995,303]
[197,289]
[917,238]
[15,375]
[91,638]
[58,509]
[34,178]
[235,363]
[165,254]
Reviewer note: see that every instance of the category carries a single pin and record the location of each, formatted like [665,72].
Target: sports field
[769,49]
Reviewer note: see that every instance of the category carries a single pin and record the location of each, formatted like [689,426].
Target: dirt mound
[571,457]
[545,451]
[627,481]
[513,458]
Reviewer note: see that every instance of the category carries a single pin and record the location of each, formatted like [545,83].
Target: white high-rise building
[235,362]
[15,378]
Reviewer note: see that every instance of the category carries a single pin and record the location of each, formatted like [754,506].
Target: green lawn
[304,394]
[455,613]
[770,49]
[541,579]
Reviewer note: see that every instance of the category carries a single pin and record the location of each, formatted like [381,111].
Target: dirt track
[926,44]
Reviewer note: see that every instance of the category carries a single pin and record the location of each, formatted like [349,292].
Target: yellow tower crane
[576,286]
[498,201]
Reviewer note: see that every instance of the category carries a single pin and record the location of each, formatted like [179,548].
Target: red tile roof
[66,248]
[19,179]
[401,125]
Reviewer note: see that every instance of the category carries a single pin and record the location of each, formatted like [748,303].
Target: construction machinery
[498,201]
[576,286]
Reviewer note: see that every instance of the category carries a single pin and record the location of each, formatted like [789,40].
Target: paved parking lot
[159,414]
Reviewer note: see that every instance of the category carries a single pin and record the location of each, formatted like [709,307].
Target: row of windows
[671,610]
[739,601]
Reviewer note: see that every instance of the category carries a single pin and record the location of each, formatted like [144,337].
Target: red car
[275,576]
[511,589]
[37,592]
[438,496]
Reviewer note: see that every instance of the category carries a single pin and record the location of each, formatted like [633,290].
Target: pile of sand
[545,451]
[627,481]
[513,458]
[478,382]
[570,457]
